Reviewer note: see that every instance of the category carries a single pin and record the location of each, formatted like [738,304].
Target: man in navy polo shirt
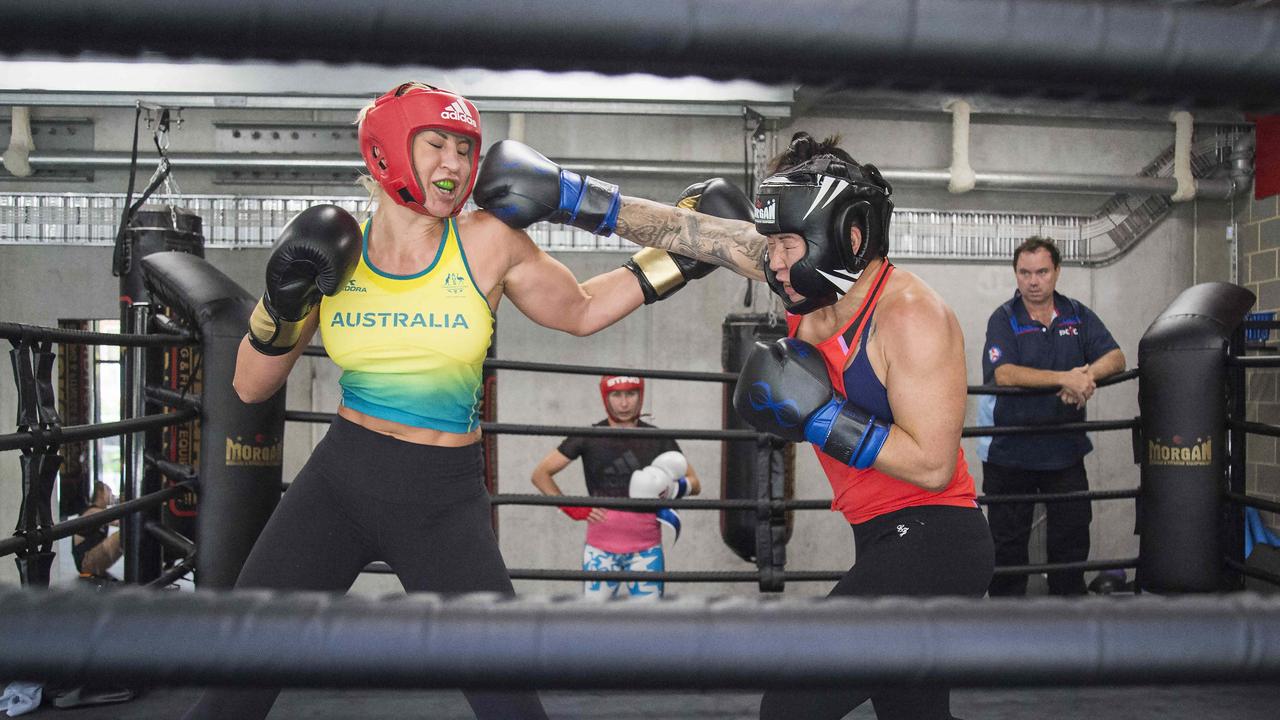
[1041,339]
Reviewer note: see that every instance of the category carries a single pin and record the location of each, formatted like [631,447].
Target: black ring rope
[1253,427]
[1071,427]
[727,377]
[736,435]
[174,573]
[1060,497]
[29,541]
[1253,361]
[592,431]
[642,432]
[522,365]
[1253,572]
[18,331]
[172,470]
[1064,566]
[1017,390]
[171,398]
[172,539]
[1253,502]
[699,576]
[621,503]
[38,438]
[628,503]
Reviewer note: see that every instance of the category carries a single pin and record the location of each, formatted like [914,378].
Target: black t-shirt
[607,462]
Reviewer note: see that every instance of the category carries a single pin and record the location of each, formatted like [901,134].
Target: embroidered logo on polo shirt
[994,354]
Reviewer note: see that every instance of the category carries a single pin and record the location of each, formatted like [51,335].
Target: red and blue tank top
[864,494]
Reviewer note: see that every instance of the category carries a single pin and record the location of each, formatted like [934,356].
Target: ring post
[242,445]
[1182,377]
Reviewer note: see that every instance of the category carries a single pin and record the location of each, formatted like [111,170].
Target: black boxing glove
[521,187]
[784,389]
[661,273]
[316,254]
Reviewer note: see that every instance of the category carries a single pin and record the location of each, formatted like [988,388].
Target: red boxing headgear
[388,129]
[611,383]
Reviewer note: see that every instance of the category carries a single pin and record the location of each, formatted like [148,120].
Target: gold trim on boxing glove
[269,335]
[689,203]
[660,270]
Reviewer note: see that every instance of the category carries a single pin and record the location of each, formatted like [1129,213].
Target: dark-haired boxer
[405,304]
[872,375]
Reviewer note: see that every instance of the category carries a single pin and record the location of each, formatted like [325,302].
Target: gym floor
[1188,702]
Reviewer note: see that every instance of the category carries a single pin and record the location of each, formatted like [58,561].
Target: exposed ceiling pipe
[18,155]
[1182,157]
[1211,188]
[515,126]
[962,176]
[1242,161]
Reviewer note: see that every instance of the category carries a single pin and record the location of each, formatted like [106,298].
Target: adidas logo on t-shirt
[458,111]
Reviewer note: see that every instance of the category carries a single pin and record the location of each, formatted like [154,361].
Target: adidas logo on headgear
[458,111]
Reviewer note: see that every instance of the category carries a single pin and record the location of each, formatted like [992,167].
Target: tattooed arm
[729,243]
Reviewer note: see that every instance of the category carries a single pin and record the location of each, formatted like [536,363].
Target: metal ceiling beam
[1209,188]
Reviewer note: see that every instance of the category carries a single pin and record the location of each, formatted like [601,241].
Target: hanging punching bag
[740,463]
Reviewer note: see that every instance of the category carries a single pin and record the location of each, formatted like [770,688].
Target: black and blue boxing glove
[784,389]
[661,273]
[520,187]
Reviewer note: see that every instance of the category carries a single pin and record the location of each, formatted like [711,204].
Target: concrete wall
[1259,224]
[38,285]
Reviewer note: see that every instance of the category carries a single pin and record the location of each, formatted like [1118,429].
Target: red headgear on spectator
[613,383]
[388,129]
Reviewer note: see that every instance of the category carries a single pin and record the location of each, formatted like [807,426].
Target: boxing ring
[1190,624]
[705,643]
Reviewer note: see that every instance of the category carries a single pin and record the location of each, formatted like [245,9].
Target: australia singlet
[864,494]
[411,347]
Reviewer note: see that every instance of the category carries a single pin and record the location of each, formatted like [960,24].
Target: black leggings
[923,551]
[1066,535]
[364,496]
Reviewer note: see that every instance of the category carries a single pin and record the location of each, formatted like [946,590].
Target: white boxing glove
[677,467]
[650,482]
[665,478]
[673,462]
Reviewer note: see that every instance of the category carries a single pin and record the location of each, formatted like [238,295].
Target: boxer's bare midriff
[408,433]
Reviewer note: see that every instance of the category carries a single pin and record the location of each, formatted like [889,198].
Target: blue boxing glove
[784,389]
[521,187]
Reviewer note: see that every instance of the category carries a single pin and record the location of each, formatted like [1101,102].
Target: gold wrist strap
[272,336]
[660,270]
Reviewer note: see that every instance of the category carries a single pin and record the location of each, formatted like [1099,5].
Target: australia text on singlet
[412,347]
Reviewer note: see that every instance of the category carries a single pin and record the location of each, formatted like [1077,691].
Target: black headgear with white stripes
[820,200]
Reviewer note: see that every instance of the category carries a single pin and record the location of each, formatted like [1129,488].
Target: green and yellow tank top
[411,347]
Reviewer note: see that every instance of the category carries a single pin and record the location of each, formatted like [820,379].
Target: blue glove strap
[670,518]
[682,487]
[570,194]
[818,428]
[872,440]
[610,220]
